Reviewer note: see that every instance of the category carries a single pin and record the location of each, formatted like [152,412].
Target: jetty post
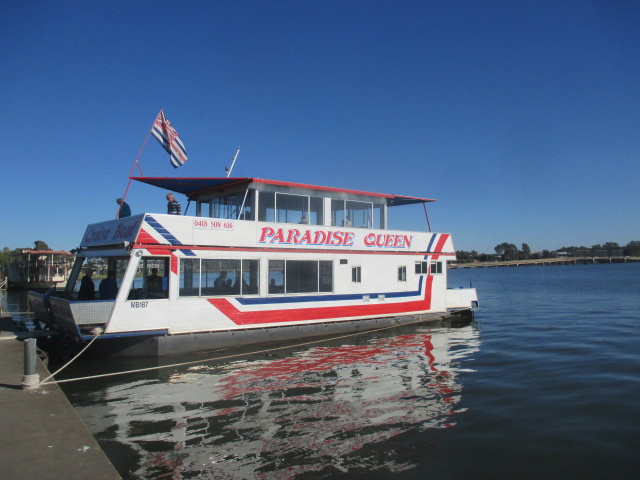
[31,378]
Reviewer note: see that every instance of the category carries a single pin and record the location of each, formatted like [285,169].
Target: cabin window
[227,207]
[292,208]
[360,214]
[356,274]
[276,276]
[266,206]
[247,206]
[100,268]
[300,276]
[213,277]
[436,267]
[378,216]
[326,276]
[151,280]
[422,268]
[402,274]
[337,213]
[203,208]
[316,211]
[349,213]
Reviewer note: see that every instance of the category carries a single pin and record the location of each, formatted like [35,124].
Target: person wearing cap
[125,211]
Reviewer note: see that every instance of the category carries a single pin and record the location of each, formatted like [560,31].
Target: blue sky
[522,118]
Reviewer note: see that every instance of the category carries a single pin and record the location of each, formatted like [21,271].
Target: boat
[35,269]
[258,261]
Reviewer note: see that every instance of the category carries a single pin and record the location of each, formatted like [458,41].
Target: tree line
[508,251]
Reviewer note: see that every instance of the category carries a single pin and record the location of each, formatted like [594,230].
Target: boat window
[349,213]
[250,277]
[151,280]
[209,277]
[378,216]
[337,213]
[356,274]
[266,206]
[422,268]
[402,274]
[359,214]
[292,208]
[326,276]
[203,208]
[276,276]
[100,268]
[247,206]
[227,207]
[316,209]
[300,276]
[436,267]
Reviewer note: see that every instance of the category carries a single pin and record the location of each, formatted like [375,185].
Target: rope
[159,367]
[43,382]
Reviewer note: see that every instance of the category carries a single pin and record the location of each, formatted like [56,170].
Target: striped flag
[168,138]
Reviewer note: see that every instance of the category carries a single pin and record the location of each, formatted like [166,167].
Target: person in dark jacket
[173,207]
[87,287]
[109,287]
[125,211]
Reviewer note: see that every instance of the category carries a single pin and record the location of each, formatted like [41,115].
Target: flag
[168,138]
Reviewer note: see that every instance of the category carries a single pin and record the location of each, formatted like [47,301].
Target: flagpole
[137,163]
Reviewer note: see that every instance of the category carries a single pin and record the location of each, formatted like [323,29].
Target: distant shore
[547,261]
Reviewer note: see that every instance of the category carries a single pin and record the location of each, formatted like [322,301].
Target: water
[544,384]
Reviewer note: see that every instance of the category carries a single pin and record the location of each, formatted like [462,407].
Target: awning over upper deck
[193,187]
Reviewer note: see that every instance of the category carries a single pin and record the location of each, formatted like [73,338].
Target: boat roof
[192,187]
[43,252]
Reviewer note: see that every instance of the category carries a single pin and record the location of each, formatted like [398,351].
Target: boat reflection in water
[327,409]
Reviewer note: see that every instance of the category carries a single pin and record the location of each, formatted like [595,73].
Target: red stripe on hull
[144,237]
[323,313]
[441,242]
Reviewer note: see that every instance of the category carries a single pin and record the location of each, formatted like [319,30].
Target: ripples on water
[324,410]
[545,384]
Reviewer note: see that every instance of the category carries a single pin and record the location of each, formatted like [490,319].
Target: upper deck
[258,213]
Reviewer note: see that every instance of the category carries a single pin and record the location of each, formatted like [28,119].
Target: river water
[545,383]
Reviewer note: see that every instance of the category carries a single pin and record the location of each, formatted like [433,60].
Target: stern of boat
[81,318]
[461,299]
[38,303]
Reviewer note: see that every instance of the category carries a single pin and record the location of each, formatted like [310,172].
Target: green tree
[6,257]
[632,249]
[40,245]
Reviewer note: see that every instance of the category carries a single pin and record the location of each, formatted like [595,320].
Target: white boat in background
[34,269]
[259,261]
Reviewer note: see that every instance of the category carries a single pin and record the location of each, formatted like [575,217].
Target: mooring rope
[44,382]
[206,360]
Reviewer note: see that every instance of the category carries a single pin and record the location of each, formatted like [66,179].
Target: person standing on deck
[87,287]
[109,287]
[173,207]
[125,211]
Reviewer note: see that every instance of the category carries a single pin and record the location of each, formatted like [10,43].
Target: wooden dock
[546,261]
[44,437]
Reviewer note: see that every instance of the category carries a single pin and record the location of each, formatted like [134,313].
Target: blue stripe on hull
[327,298]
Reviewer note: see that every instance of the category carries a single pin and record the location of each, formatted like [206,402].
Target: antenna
[228,169]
